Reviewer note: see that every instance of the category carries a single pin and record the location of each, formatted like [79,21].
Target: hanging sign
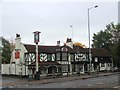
[36,37]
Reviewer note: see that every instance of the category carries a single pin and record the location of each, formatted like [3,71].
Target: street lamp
[90,58]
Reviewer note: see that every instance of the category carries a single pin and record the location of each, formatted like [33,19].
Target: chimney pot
[17,35]
[69,40]
[58,43]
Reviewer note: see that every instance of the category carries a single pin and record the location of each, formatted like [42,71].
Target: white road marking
[116,87]
[89,84]
[100,83]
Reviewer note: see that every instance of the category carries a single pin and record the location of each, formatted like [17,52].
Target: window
[77,57]
[83,57]
[53,57]
[73,67]
[87,57]
[76,68]
[64,68]
[58,56]
[108,64]
[49,57]
[72,57]
[102,65]
[64,56]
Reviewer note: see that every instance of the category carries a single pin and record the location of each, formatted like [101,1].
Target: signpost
[36,40]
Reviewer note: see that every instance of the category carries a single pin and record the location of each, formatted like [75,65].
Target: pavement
[21,81]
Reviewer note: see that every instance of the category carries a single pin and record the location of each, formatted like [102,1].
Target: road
[96,82]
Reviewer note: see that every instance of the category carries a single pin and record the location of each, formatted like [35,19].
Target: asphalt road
[96,82]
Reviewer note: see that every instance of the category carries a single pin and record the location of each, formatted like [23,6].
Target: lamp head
[96,6]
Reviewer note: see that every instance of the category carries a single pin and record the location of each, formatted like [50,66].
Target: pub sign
[36,37]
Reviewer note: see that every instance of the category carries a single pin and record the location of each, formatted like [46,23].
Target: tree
[0,52]
[101,40]
[118,53]
[109,38]
[6,51]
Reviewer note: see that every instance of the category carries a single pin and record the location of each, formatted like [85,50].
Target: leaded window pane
[49,57]
[65,68]
[72,57]
[64,56]
[58,56]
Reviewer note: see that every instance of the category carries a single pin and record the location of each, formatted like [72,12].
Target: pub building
[56,60]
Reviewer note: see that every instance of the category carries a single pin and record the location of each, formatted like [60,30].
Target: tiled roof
[80,49]
[43,49]
[100,52]
[52,49]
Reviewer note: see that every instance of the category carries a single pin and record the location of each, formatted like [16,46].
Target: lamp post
[90,58]
[36,40]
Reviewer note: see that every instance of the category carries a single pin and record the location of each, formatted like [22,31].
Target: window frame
[66,56]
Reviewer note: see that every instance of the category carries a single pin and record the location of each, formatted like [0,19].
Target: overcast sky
[53,19]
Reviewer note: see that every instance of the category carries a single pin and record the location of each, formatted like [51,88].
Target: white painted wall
[12,69]
[22,50]
[16,66]
[5,69]
[18,70]
[25,72]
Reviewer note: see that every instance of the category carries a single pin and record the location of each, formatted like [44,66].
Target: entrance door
[50,70]
[85,68]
